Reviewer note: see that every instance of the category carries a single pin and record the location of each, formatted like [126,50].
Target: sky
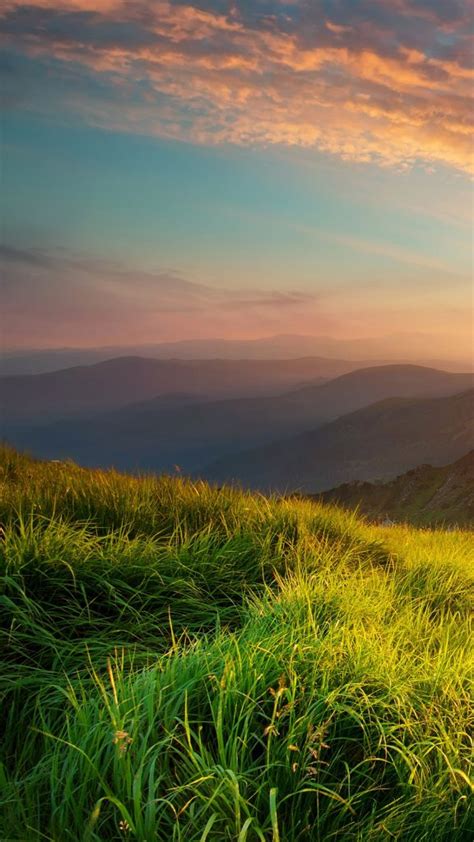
[236,168]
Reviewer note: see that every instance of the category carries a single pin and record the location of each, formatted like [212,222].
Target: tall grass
[186,663]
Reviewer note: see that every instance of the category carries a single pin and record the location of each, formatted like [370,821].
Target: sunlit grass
[186,663]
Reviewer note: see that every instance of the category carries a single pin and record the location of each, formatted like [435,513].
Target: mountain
[117,382]
[149,436]
[377,442]
[367,385]
[426,495]
[125,380]
[396,348]
[406,348]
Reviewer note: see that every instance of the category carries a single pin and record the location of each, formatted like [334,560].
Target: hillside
[154,436]
[356,389]
[189,663]
[425,495]
[377,442]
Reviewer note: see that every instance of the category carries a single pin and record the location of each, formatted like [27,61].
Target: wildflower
[124,826]
[122,740]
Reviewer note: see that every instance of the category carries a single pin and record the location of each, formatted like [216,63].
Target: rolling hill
[150,436]
[426,495]
[188,663]
[376,442]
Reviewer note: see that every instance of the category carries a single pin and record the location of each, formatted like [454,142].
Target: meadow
[184,663]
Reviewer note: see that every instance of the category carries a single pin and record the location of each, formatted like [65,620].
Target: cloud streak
[382,82]
[58,299]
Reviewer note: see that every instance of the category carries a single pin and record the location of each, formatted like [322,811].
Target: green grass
[186,663]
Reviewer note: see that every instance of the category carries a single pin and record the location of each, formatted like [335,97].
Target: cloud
[384,82]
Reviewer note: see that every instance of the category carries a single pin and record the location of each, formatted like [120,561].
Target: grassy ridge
[186,663]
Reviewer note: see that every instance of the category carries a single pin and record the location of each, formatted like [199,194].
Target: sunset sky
[236,168]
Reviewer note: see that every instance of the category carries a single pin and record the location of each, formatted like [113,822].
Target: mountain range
[376,442]
[187,430]
[397,348]
[117,382]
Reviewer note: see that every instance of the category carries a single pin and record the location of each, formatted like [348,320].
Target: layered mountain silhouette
[398,348]
[118,382]
[153,436]
[377,442]
[425,495]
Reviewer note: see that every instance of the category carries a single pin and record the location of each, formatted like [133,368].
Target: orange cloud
[199,75]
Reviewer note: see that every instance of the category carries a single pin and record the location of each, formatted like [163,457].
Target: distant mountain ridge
[377,442]
[402,349]
[152,436]
[125,380]
[426,495]
[367,385]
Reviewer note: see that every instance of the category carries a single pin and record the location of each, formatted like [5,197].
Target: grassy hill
[425,495]
[180,662]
